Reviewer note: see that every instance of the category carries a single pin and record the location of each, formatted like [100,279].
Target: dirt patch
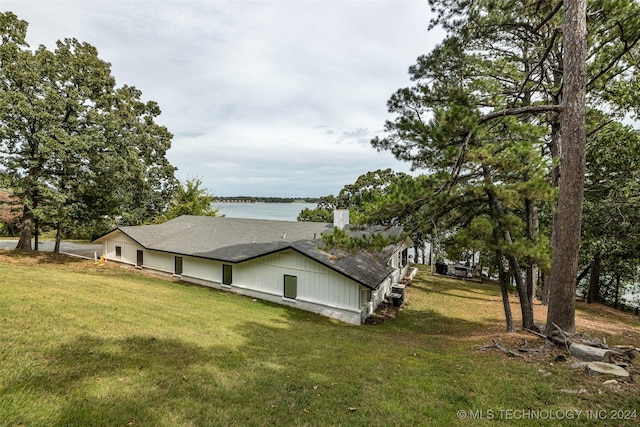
[383,313]
[598,319]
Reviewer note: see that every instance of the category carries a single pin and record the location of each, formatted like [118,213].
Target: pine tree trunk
[532,280]
[503,279]
[564,262]
[526,304]
[593,295]
[555,148]
[27,230]
[556,142]
[533,226]
[581,276]
[607,291]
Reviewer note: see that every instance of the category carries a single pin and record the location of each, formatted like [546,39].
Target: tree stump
[607,368]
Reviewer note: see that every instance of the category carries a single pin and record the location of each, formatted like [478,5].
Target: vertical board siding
[316,283]
[159,261]
[129,248]
[205,269]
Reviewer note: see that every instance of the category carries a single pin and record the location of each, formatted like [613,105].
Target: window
[290,287]
[365,297]
[227,274]
[118,251]
[178,266]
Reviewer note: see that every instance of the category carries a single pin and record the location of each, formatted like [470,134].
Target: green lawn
[84,344]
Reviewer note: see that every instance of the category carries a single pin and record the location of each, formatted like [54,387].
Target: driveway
[83,250]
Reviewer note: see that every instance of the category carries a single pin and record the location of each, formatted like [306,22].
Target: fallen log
[586,348]
[562,333]
[628,350]
[592,354]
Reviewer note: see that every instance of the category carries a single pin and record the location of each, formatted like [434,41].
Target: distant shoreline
[263,210]
[251,199]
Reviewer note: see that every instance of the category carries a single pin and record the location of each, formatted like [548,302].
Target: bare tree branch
[531,109]
[548,17]
[539,63]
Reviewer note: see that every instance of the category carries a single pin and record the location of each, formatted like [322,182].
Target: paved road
[84,250]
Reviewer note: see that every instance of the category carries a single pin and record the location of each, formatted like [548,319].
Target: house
[278,261]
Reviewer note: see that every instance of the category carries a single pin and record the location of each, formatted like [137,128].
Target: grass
[102,345]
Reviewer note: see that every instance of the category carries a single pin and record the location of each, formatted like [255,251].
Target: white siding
[159,261]
[129,248]
[316,283]
[396,261]
[319,289]
[204,269]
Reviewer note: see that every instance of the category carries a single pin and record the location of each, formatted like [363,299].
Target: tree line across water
[258,199]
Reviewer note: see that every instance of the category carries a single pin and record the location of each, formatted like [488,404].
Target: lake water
[275,211]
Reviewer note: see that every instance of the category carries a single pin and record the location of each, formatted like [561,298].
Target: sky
[263,98]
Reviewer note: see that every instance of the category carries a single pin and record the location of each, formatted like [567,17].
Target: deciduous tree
[190,199]
[73,146]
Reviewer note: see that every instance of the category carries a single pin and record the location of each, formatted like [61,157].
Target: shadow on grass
[392,374]
[109,381]
[288,367]
[278,376]
[431,323]
[442,306]
[39,257]
[452,287]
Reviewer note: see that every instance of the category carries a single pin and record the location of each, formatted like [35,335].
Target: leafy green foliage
[371,200]
[190,199]
[323,212]
[438,127]
[76,149]
[611,227]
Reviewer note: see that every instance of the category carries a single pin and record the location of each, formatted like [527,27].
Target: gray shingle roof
[236,240]
[214,235]
[367,268]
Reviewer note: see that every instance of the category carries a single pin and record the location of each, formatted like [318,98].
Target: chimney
[341,218]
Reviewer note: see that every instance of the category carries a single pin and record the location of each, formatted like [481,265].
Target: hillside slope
[103,345]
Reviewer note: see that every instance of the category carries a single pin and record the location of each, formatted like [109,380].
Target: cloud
[263,97]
